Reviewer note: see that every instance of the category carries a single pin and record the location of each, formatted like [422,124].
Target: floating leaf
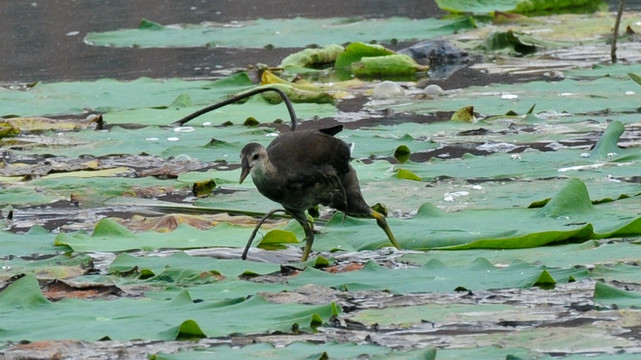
[402,153]
[407,174]
[277,239]
[126,319]
[396,65]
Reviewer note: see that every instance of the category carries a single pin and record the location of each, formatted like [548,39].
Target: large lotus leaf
[609,295]
[537,343]
[585,254]
[518,352]
[37,241]
[518,6]
[432,277]
[604,158]
[302,351]
[437,277]
[56,267]
[568,216]
[75,97]
[568,95]
[228,268]
[618,70]
[619,272]
[227,289]
[24,195]
[110,236]
[204,143]
[256,107]
[297,32]
[128,319]
[380,185]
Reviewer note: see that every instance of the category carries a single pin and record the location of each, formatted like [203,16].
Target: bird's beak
[244,170]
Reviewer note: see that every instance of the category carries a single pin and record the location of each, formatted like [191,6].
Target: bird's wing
[304,150]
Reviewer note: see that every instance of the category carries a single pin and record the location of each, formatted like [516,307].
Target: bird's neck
[263,171]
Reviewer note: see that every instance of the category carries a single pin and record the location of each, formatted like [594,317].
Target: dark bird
[302,169]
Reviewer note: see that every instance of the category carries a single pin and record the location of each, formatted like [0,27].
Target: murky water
[43,40]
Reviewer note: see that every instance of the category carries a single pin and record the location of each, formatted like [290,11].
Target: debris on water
[184,129]
[432,91]
[508,96]
[387,89]
[500,147]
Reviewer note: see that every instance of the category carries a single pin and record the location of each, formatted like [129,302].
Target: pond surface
[44,41]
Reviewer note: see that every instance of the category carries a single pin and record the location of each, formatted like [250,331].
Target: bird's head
[252,156]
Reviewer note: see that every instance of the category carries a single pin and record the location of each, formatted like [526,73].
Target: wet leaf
[125,319]
[301,350]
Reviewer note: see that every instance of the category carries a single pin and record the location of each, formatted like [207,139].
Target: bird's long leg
[260,222]
[309,233]
[382,223]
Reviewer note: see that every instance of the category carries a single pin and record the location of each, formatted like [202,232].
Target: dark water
[42,40]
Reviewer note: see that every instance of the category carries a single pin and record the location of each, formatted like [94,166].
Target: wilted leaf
[313,58]
[204,188]
[8,130]
[465,114]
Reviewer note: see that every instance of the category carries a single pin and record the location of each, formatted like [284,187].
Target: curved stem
[288,103]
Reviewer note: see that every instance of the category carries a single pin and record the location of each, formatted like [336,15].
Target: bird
[301,169]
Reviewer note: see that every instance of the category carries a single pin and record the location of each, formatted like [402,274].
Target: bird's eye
[255,157]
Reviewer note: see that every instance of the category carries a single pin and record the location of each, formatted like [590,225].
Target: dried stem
[615,34]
